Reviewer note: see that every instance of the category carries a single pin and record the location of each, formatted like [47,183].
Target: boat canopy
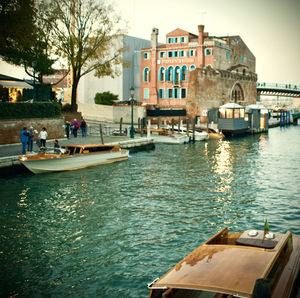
[256,107]
[231,105]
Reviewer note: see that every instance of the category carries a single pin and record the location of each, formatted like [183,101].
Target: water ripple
[108,231]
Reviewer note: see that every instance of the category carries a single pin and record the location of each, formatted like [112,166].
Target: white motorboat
[164,136]
[198,135]
[74,157]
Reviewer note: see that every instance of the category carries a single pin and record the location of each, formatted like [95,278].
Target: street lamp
[34,66]
[131,127]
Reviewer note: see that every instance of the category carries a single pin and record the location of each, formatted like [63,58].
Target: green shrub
[105,98]
[21,110]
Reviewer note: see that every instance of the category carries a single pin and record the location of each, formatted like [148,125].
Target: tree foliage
[105,98]
[17,28]
[86,34]
[25,37]
[82,33]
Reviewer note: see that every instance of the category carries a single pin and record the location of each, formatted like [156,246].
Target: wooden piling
[172,126]
[121,122]
[194,128]
[101,133]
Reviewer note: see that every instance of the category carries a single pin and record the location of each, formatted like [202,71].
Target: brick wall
[210,88]
[10,129]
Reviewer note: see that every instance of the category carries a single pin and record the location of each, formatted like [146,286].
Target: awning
[15,84]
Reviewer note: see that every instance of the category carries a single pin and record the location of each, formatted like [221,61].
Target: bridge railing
[278,86]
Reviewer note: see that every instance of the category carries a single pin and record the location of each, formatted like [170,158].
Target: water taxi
[73,157]
[243,264]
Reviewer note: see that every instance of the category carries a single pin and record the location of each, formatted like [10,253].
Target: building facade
[166,70]
[129,76]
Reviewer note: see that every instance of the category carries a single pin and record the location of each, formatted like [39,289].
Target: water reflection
[111,229]
[222,166]
[23,197]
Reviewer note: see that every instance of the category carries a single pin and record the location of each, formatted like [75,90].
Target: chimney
[201,34]
[154,37]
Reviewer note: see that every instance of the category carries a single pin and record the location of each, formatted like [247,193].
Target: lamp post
[131,127]
[34,66]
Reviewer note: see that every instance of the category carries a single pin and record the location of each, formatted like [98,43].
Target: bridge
[287,90]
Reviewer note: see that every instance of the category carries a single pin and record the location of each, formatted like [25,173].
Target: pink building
[165,68]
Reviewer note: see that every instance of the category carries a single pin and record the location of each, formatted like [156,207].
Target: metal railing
[279,86]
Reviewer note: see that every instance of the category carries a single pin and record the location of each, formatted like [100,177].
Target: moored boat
[74,157]
[197,135]
[244,264]
[164,136]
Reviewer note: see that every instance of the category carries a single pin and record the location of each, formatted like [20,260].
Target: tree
[17,28]
[105,98]
[25,36]
[86,34]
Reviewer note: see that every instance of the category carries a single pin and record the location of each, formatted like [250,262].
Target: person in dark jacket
[30,138]
[67,128]
[83,127]
[24,139]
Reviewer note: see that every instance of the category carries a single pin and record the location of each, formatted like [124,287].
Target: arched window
[161,74]
[146,75]
[169,76]
[192,67]
[184,73]
[237,93]
[177,75]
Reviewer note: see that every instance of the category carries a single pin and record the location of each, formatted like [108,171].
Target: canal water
[109,230]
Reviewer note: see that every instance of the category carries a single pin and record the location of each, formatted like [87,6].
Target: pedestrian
[67,128]
[24,139]
[43,136]
[75,127]
[19,96]
[56,147]
[83,127]
[31,133]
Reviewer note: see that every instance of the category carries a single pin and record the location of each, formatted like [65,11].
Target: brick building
[197,72]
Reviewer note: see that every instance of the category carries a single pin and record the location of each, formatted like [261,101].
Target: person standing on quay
[24,139]
[75,127]
[30,139]
[83,127]
[67,128]
[43,137]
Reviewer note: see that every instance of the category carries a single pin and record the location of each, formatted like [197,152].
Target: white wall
[129,77]
[111,114]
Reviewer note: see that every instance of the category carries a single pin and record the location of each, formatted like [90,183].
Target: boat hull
[201,136]
[73,162]
[176,139]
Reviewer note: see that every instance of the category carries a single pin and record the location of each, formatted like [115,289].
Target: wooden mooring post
[172,126]
[194,128]
[121,122]
[187,127]
[101,133]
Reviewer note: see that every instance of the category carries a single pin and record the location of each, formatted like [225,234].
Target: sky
[270,29]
